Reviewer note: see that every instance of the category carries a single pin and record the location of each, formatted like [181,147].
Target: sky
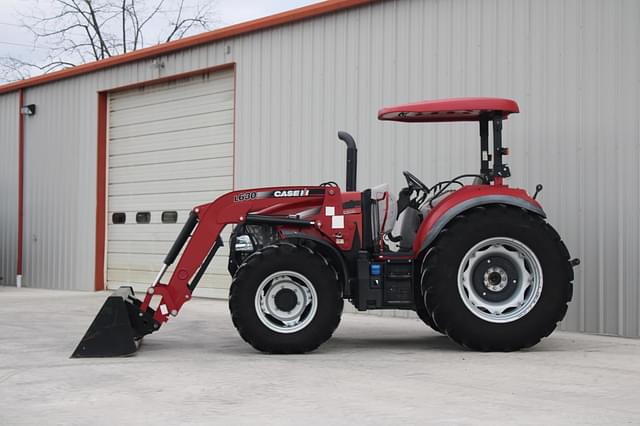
[18,42]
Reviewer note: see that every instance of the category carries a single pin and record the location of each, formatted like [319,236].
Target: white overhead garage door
[170,149]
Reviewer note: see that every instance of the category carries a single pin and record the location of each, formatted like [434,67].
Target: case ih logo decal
[291,193]
[281,193]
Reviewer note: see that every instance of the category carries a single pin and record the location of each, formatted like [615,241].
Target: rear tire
[285,299]
[421,306]
[425,316]
[485,285]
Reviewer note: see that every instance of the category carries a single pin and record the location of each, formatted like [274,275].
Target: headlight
[243,243]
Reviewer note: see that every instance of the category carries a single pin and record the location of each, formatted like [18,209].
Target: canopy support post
[500,170]
[484,148]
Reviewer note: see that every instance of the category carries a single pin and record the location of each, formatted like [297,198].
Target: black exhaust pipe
[352,159]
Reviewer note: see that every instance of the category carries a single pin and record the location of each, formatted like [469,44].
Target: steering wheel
[415,183]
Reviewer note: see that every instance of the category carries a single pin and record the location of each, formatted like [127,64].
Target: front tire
[498,279]
[285,299]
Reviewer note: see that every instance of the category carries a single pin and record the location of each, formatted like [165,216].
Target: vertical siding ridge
[621,181]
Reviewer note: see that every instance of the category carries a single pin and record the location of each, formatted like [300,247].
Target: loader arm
[123,320]
[201,234]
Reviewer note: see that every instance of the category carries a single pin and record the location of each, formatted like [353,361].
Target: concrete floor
[375,370]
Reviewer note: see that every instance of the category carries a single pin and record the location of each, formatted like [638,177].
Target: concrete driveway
[375,370]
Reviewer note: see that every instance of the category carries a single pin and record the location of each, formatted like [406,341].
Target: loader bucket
[118,328]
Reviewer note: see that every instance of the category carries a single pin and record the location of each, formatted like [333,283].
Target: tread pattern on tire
[421,305]
[434,263]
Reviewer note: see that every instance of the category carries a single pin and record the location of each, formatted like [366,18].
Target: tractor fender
[467,198]
[335,257]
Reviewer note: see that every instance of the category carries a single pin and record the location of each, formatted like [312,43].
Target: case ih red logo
[291,193]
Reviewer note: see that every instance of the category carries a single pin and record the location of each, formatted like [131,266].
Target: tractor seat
[386,210]
[406,228]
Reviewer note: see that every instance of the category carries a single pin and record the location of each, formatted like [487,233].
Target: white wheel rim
[500,280]
[286,320]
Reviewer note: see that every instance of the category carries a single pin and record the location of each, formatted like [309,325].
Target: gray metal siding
[59,186]
[9,121]
[572,65]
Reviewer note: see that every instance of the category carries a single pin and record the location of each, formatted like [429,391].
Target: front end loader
[474,258]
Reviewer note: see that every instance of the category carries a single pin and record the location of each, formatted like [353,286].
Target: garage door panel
[178,170]
[221,282]
[174,109]
[173,140]
[155,224]
[201,82]
[120,233]
[172,201]
[213,183]
[125,277]
[217,267]
[151,263]
[163,234]
[172,155]
[196,87]
[170,149]
[174,91]
[133,100]
[152,232]
[152,247]
[125,233]
[118,277]
[146,274]
[194,121]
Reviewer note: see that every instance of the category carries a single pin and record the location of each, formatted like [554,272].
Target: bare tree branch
[140,25]
[77,31]
[124,26]
[181,26]
[11,67]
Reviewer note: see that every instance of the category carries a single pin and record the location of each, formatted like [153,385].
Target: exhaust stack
[352,159]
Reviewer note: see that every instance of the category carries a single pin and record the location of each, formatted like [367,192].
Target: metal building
[142,137]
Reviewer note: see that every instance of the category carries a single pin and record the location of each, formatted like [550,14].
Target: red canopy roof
[459,109]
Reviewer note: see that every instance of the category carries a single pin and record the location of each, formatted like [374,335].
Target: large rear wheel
[285,299]
[498,279]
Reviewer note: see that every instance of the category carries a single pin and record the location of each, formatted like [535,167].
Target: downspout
[20,188]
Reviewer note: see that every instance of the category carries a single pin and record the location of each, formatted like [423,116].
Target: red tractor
[476,261]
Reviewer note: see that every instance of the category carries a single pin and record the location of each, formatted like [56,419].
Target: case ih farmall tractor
[475,260]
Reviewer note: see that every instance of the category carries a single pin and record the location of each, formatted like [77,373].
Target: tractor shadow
[232,345]
[371,343]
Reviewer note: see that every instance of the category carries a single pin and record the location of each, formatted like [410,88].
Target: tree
[80,31]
